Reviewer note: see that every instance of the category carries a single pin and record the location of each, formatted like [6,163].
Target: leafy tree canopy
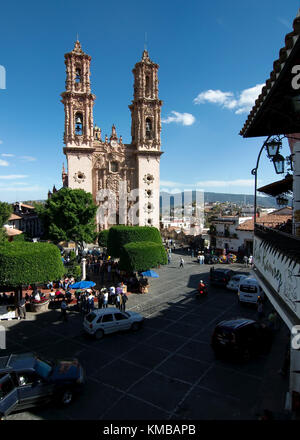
[5,212]
[69,215]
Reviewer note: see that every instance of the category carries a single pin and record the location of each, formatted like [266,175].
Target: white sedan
[234,282]
[100,322]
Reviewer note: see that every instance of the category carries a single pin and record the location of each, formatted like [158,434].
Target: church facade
[123,178]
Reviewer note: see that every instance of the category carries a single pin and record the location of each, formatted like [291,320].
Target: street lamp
[278,162]
[273,148]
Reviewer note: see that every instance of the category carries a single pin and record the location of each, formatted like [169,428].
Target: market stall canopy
[275,109]
[280,187]
[150,273]
[83,285]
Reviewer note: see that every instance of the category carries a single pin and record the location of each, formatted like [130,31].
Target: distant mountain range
[211,197]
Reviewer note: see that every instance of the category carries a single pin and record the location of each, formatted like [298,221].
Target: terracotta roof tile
[278,65]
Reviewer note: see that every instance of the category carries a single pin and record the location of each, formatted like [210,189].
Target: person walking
[181,264]
[22,308]
[63,308]
[100,299]
[246,261]
[260,308]
[123,301]
[105,298]
[169,258]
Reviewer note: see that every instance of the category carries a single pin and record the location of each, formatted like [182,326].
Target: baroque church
[117,175]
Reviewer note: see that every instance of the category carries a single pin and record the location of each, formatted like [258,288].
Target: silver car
[110,320]
[234,282]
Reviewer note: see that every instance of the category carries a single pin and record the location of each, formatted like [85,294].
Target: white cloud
[1,142]
[224,183]
[28,158]
[285,23]
[7,155]
[24,188]
[3,163]
[13,176]
[241,103]
[180,118]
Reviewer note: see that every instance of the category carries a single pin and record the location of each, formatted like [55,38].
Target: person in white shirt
[105,298]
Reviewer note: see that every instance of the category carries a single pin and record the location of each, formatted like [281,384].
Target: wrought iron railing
[287,244]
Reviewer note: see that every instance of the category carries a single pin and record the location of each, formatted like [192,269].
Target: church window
[78,75]
[79,123]
[114,167]
[147,85]
[148,128]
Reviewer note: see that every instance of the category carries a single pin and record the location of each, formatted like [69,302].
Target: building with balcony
[277,252]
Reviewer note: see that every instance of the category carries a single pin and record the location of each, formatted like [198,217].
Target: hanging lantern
[273,148]
[278,162]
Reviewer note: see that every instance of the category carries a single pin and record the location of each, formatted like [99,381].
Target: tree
[24,263]
[119,236]
[141,256]
[69,215]
[5,212]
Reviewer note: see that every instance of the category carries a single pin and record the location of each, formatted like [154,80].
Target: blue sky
[213,56]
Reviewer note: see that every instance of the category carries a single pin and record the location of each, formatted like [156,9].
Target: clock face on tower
[113,144]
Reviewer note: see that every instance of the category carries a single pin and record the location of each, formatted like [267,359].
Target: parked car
[234,282]
[110,320]
[241,338]
[249,291]
[220,277]
[26,381]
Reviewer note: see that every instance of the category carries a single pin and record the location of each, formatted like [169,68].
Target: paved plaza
[166,370]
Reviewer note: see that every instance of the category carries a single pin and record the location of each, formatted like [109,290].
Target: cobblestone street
[165,371]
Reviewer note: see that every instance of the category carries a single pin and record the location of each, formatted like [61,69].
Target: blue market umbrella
[83,285]
[150,273]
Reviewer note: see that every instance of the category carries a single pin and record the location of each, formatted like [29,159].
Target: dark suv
[26,380]
[241,338]
[220,277]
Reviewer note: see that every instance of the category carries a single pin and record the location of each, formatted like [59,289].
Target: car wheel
[135,326]
[99,334]
[66,397]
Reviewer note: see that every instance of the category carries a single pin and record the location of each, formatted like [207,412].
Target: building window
[114,167]
[78,123]
[78,75]
[147,86]
[148,128]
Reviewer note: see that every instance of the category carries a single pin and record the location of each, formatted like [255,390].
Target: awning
[280,187]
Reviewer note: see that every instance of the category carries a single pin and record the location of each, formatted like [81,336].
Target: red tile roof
[270,221]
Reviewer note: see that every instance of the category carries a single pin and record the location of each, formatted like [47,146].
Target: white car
[249,291]
[234,282]
[100,322]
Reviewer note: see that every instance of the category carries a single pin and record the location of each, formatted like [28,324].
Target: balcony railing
[287,244]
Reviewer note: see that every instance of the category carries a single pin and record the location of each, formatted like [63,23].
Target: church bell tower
[145,132]
[78,103]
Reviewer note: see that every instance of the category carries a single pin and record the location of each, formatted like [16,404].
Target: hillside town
[125,297]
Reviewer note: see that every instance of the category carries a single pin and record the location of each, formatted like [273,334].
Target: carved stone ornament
[79,177]
[148,193]
[148,178]
[148,207]
[113,183]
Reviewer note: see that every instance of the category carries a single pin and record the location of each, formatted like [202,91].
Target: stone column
[83,262]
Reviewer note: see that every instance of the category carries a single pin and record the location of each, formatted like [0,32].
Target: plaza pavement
[167,370]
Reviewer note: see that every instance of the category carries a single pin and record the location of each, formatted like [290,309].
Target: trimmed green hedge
[103,238]
[142,256]
[119,236]
[28,263]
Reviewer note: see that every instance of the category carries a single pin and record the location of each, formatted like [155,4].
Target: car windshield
[248,288]
[90,317]
[42,368]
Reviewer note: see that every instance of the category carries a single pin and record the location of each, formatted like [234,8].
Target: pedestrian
[100,299]
[123,301]
[250,261]
[112,295]
[63,308]
[169,258]
[246,261]
[91,301]
[22,308]
[105,298]
[260,308]
[52,295]
[181,264]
